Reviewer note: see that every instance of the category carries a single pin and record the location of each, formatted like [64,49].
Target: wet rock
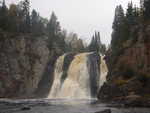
[23,61]
[128,80]
[109,91]
[105,111]
[25,108]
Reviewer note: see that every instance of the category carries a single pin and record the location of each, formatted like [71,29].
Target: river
[61,106]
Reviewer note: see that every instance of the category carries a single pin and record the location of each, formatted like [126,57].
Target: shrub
[120,82]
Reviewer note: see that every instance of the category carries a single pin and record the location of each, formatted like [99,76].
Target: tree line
[19,19]
[126,22]
[96,44]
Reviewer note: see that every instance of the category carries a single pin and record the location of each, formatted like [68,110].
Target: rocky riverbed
[63,106]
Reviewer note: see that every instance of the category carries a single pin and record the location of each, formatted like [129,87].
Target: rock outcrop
[129,72]
[23,61]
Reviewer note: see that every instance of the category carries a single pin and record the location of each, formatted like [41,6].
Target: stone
[25,108]
[104,111]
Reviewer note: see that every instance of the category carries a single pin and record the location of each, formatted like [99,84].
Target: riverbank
[63,106]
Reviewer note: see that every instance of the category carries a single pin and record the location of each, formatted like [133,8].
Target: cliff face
[23,60]
[129,72]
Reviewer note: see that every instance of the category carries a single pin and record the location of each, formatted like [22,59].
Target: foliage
[18,19]
[120,82]
[96,44]
[4,16]
[123,27]
[119,28]
[146,11]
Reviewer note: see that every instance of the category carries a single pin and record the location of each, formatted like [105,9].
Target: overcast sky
[81,16]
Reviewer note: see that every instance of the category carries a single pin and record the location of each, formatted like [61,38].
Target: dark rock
[128,80]
[26,108]
[109,91]
[105,111]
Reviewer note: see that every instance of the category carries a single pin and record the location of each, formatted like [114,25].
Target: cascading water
[103,71]
[77,76]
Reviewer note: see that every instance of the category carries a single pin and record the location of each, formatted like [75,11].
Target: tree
[96,44]
[53,29]
[130,14]
[119,17]
[13,17]
[53,26]
[4,16]
[120,29]
[24,14]
[36,24]
[146,11]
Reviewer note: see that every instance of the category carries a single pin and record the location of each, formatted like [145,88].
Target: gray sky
[81,16]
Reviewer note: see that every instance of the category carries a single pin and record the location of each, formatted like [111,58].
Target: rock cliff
[129,73]
[23,61]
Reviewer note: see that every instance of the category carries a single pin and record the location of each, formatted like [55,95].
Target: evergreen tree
[53,26]
[4,16]
[130,14]
[96,44]
[119,17]
[146,9]
[120,29]
[53,29]
[37,26]
[24,13]
[13,17]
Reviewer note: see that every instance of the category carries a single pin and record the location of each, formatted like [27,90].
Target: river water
[61,106]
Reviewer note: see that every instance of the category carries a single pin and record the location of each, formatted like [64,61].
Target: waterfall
[103,71]
[77,76]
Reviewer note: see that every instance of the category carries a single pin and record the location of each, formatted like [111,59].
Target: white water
[103,71]
[77,83]
[57,77]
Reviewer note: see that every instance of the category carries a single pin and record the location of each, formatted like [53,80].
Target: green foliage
[146,11]
[4,16]
[120,82]
[120,29]
[53,26]
[17,19]
[96,44]
[123,27]
[132,15]
[54,33]
[13,18]
[37,23]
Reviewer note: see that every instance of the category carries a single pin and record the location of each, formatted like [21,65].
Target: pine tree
[119,17]
[35,23]
[146,9]
[13,17]
[130,14]
[53,29]
[4,16]
[24,13]
[120,29]
[96,44]
[53,26]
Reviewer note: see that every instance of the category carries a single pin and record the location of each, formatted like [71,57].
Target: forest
[18,19]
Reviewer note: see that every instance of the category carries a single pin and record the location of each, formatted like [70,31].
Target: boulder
[104,111]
